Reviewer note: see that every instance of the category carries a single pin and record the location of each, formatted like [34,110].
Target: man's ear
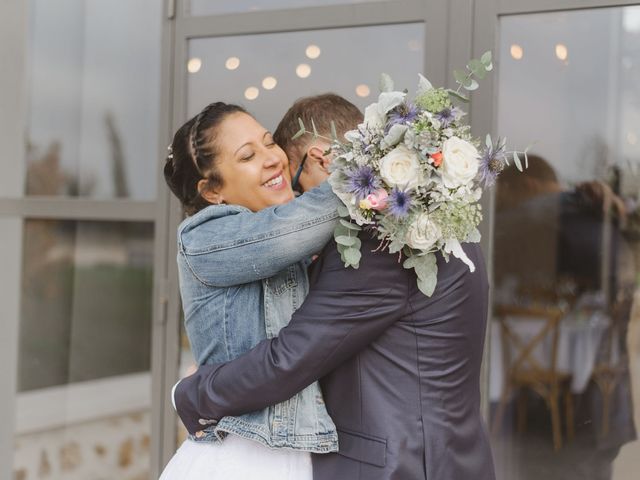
[209,195]
[317,154]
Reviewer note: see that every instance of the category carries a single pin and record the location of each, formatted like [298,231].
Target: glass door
[563,357]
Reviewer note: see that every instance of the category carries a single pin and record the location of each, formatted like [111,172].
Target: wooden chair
[608,370]
[523,371]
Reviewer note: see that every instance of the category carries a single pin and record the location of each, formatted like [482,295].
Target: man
[399,370]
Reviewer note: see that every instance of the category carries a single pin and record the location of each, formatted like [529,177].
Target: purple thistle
[362,182]
[399,203]
[449,115]
[492,162]
[403,114]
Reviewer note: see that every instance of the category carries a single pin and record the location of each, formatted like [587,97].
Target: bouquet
[413,175]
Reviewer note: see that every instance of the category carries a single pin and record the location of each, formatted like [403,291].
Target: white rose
[423,233]
[401,168]
[460,162]
[373,119]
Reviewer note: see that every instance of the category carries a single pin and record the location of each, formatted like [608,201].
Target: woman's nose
[271,158]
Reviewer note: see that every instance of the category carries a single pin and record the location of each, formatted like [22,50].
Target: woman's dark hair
[192,156]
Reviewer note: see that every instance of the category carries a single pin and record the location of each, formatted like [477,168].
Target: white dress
[237,458]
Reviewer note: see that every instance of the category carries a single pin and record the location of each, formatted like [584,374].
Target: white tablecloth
[579,337]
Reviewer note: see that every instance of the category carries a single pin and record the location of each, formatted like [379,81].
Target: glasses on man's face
[296,177]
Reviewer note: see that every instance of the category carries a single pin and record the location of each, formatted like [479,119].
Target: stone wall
[115,448]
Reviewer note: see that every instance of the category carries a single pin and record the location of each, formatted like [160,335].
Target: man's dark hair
[323,109]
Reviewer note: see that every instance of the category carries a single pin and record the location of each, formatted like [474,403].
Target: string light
[251,93]
[232,63]
[516,52]
[303,70]
[194,65]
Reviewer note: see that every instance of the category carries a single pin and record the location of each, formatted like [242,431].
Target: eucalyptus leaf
[301,123]
[343,211]
[488,141]
[478,68]
[461,77]
[346,241]
[526,160]
[341,230]
[315,130]
[353,256]
[473,85]
[350,226]
[457,95]
[486,59]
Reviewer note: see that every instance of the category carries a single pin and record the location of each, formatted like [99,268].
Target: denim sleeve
[343,313]
[249,246]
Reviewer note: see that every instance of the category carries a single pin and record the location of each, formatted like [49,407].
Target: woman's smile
[277,182]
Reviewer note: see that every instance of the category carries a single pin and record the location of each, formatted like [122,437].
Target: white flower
[401,168]
[423,233]
[375,115]
[460,162]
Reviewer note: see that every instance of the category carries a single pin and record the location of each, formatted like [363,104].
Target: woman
[242,260]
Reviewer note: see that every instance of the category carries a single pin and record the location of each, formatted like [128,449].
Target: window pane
[94,83]
[278,68]
[217,7]
[86,301]
[567,248]
[84,380]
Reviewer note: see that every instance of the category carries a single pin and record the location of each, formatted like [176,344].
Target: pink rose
[378,199]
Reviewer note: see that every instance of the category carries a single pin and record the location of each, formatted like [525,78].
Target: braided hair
[192,156]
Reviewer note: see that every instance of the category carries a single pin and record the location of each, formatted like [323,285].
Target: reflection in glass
[217,7]
[84,383]
[86,301]
[564,340]
[93,110]
[304,63]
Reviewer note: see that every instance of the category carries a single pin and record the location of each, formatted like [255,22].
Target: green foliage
[346,237]
[349,225]
[475,68]
[434,100]
[426,270]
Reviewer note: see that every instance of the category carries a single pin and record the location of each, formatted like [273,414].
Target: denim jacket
[242,275]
